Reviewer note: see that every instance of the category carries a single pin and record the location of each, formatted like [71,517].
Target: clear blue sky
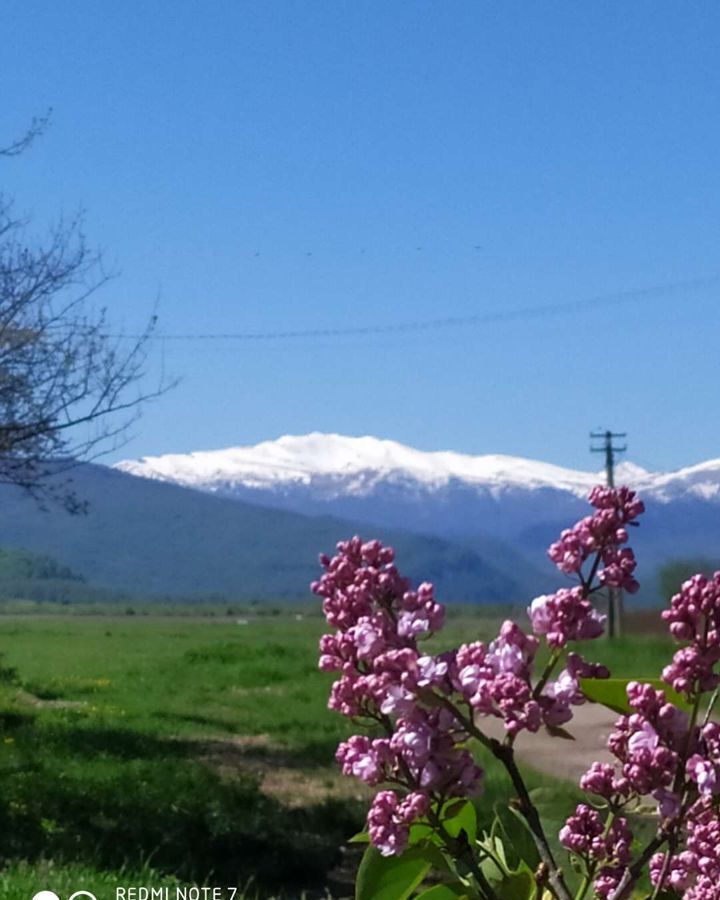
[215,145]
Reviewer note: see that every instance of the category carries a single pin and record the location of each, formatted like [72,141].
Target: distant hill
[151,538]
[33,576]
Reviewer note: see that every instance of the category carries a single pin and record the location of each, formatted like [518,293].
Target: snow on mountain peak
[356,464]
[304,458]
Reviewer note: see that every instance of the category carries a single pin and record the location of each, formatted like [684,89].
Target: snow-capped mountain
[447,494]
[336,465]
[354,463]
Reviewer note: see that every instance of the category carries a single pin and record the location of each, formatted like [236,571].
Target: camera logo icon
[51,895]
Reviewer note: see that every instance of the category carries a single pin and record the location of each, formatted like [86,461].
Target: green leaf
[362,837]
[517,837]
[612,692]
[390,877]
[419,832]
[453,807]
[455,891]
[457,817]
[494,867]
[507,883]
[437,858]
[517,886]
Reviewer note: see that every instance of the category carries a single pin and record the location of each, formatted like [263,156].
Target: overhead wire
[447,322]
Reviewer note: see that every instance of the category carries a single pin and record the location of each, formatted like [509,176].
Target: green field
[147,749]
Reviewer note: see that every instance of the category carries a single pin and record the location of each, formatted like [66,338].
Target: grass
[157,750]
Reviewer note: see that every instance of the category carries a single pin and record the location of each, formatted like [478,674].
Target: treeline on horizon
[31,581]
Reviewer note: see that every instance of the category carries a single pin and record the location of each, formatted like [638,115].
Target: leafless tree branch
[69,388]
[36,128]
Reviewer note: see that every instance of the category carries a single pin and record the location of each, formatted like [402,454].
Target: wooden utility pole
[615,595]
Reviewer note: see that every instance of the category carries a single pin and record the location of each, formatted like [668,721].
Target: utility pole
[615,595]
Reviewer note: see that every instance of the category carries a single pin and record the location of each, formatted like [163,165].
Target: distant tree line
[673,573]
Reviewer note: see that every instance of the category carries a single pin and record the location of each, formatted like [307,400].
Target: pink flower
[389,820]
[603,533]
[540,614]
[386,824]
[412,625]
[432,670]
[647,742]
[368,638]
[368,760]
[668,803]
[694,871]
[397,700]
[582,834]
[512,651]
[645,738]
[585,835]
[704,773]
[566,616]
[598,780]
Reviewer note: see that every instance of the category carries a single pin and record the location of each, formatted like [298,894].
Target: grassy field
[145,749]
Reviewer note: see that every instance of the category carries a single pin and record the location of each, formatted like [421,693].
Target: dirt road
[590,727]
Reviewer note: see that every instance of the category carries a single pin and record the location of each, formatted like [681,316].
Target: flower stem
[527,808]
[505,754]
[547,672]
[463,853]
[586,882]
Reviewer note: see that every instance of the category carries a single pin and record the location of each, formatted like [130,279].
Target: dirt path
[590,727]
[280,776]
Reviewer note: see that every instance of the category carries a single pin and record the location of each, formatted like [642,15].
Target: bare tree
[70,386]
[36,127]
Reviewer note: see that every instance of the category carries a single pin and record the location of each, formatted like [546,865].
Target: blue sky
[275,166]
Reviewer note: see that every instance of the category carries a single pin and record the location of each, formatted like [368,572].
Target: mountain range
[510,506]
[247,523]
[144,538]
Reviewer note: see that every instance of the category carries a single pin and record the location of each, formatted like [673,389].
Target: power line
[525,312]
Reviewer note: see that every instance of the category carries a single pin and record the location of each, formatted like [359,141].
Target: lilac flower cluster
[390,818]
[603,533]
[564,692]
[416,698]
[568,614]
[704,768]
[604,850]
[660,751]
[694,616]
[421,750]
[648,745]
[383,677]
[694,872]
[496,680]
[425,707]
